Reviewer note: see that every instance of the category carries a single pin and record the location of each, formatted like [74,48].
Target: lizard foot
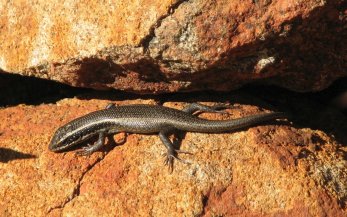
[88,150]
[171,155]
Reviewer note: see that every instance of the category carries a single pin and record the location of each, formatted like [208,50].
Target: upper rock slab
[167,46]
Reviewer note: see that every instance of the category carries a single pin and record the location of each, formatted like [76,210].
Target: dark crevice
[310,110]
[205,199]
[18,89]
[148,38]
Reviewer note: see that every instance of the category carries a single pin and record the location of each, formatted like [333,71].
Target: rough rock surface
[168,46]
[276,169]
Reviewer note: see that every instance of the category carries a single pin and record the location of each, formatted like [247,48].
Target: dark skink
[147,119]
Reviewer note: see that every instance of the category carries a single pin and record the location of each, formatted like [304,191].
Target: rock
[272,169]
[170,46]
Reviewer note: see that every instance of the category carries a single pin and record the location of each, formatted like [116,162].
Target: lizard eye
[67,127]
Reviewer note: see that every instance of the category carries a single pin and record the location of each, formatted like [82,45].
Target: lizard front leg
[88,150]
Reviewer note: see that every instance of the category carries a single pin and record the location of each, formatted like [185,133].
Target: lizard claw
[170,156]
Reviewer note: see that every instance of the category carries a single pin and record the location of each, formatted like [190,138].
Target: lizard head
[64,138]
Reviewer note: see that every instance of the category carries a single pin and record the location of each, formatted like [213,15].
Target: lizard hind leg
[172,153]
[197,107]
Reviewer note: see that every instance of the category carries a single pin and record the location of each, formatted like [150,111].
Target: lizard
[148,119]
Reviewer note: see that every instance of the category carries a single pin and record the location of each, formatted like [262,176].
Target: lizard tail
[211,126]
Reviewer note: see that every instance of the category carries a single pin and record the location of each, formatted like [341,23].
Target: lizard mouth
[55,145]
[62,144]
[58,147]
